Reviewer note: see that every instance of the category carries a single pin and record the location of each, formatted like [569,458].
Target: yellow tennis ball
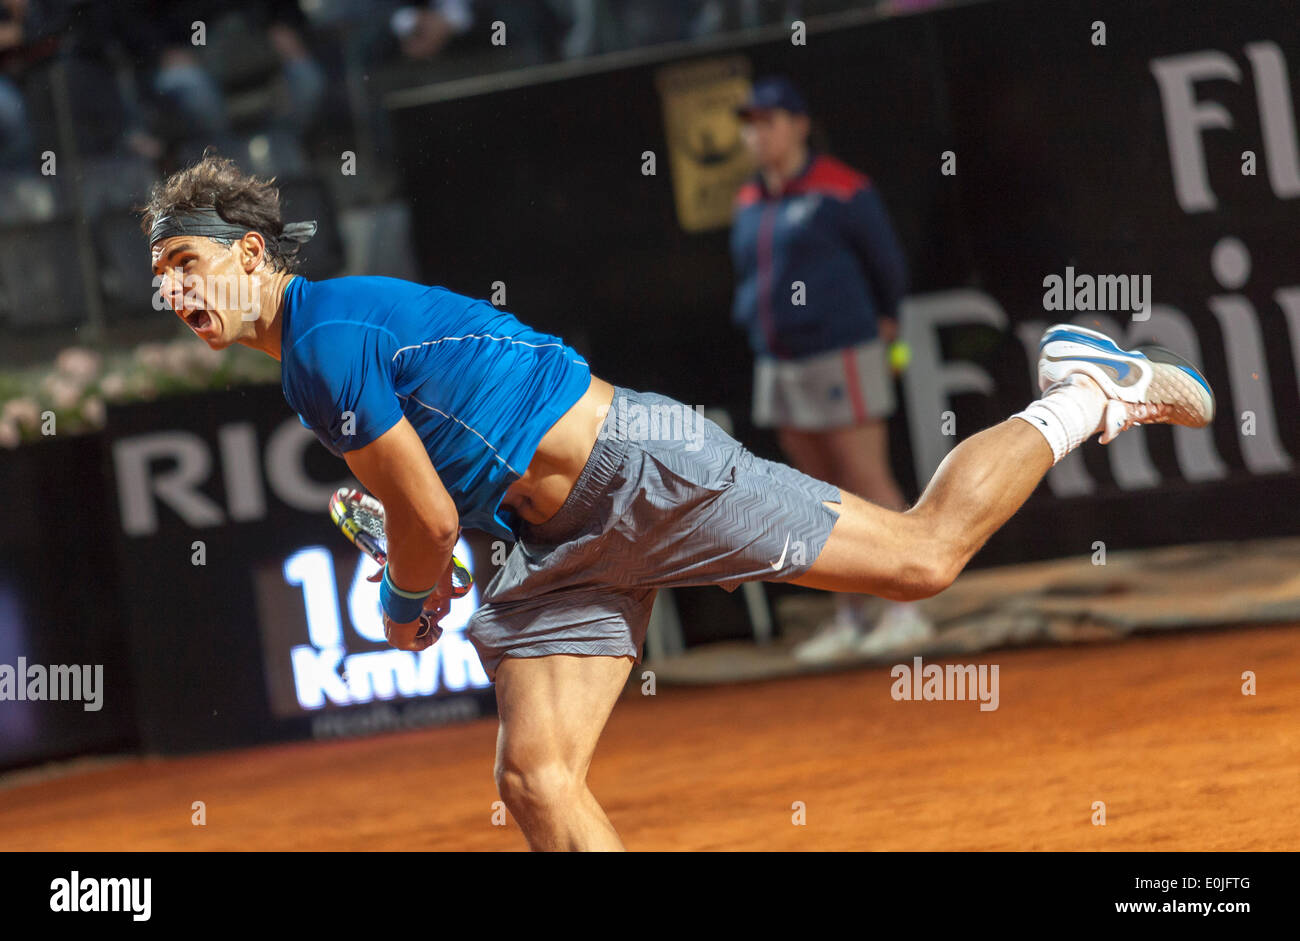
[900,354]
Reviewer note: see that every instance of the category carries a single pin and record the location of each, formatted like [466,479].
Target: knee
[918,582]
[932,570]
[536,787]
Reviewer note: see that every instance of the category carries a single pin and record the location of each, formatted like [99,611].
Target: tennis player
[454,413]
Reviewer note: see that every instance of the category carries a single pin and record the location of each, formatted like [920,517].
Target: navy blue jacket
[828,229]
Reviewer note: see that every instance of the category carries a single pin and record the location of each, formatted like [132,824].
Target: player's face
[773,136]
[203,282]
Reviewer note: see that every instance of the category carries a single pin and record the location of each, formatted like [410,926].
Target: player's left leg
[553,709]
[916,554]
[1090,385]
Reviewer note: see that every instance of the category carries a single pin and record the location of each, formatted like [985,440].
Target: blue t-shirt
[481,388]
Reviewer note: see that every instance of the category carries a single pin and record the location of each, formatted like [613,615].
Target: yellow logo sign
[706,153]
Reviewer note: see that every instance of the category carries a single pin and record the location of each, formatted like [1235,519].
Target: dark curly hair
[240,199]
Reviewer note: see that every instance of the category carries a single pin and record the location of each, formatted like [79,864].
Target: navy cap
[773,92]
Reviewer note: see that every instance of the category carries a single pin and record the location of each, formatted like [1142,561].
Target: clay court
[1155,726]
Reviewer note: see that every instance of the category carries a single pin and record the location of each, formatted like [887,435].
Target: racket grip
[427,625]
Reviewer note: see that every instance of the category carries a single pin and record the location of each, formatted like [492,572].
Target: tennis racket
[360,517]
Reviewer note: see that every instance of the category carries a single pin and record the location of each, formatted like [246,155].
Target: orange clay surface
[1156,727]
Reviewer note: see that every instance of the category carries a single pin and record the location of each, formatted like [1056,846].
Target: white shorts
[834,389]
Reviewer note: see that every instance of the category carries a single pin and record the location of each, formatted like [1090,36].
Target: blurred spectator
[424,31]
[189,96]
[92,49]
[612,25]
[193,95]
[302,74]
[15,130]
[819,276]
[135,74]
[597,26]
[721,15]
[382,31]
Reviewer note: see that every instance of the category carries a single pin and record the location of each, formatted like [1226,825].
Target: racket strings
[366,512]
[368,521]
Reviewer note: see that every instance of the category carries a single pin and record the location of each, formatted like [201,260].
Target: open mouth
[199,320]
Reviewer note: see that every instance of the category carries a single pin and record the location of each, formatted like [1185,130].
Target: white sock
[1067,415]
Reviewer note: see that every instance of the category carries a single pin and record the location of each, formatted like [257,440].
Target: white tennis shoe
[833,640]
[1144,386]
[900,629]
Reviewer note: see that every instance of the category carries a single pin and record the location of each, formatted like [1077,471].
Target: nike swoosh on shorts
[776,566]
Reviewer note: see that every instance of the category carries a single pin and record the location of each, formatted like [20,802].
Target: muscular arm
[421,519]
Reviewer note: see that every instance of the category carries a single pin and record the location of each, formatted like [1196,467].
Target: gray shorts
[834,389]
[666,499]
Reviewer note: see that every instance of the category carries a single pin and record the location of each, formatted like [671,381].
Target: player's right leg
[1090,385]
[553,709]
